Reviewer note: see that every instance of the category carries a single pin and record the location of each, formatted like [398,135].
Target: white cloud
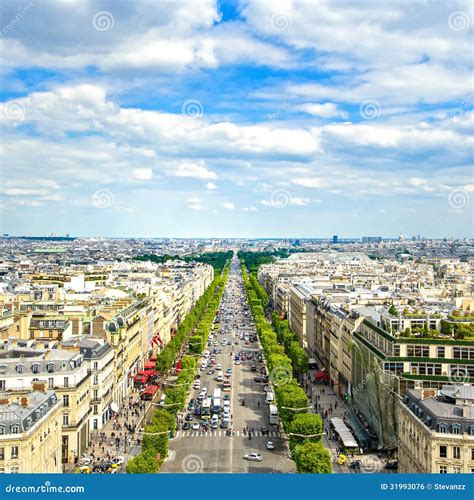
[195,203]
[308,182]
[326,110]
[228,206]
[196,170]
[211,186]
[143,174]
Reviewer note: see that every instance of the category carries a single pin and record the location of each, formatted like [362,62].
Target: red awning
[153,357]
[141,379]
[321,376]
[150,365]
[150,389]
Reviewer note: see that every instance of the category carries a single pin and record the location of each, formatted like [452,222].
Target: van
[269,399]
[220,377]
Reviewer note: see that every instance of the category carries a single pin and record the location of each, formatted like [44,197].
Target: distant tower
[334,239]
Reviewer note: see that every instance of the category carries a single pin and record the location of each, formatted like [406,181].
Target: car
[224,424]
[196,426]
[214,351]
[220,351]
[355,464]
[188,417]
[229,370]
[237,361]
[254,368]
[253,457]
[270,445]
[226,397]
[218,367]
[214,425]
[264,430]
[197,385]
[85,461]
[211,371]
[186,426]
[191,405]
[214,419]
[197,411]
[259,380]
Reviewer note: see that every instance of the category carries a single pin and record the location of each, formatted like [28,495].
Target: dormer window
[15,429]
[2,429]
[20,368]
[35,368]
[442,427]
[50,367]
[456,428]
[3,368]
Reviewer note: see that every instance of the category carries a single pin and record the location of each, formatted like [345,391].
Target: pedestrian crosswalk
[220,433]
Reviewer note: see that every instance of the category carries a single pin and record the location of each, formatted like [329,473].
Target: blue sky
[241,118]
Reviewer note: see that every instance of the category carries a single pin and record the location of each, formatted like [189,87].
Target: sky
[236,118]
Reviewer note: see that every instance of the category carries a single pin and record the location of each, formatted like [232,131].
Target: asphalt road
[213,451]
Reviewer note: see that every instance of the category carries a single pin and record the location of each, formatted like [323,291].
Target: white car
[253,457]
[270,445]
[218,367]
[196,426]
[237,362]
[118,460]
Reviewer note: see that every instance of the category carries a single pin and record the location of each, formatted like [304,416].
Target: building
[436,430]
[30,433]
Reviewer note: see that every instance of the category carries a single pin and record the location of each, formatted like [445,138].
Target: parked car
[186,426]
[355,465]
[270,445]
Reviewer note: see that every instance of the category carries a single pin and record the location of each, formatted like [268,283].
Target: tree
[305,424]
[144,463]
[393,310]
[312,458]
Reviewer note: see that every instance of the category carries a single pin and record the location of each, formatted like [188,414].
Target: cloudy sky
[236,118]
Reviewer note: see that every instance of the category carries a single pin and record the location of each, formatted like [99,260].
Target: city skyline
[235,119]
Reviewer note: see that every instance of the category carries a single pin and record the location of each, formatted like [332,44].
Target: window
[456,429]
[2,385]
[443,469]
[19,368]
[15,429]
[35,368]
[95,394]
[443,451]
[472,453]
[96,379]
[440,352]
[456,452]
[66,381]
[66,419]
[2,429]
[66,400]
[14,452]
[50,367]
[96,365]
[95,424]
[15,470]
[3,368]
[2,453]
[50,383]
[456,469]
[418,351]
[442,427]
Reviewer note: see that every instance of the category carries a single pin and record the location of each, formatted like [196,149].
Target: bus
[274,417]
[206,409]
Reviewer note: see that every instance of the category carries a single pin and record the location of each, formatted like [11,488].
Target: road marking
[177,434]
[238,432]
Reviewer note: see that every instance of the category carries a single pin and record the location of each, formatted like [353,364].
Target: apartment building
[30,433]
[436,430]
[24,364]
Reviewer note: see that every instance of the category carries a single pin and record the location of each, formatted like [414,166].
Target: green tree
[393,310]
[312,458]
[305,424]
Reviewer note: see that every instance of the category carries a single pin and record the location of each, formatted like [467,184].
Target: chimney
[4,401]
[428,393]
[24,402]
[39,386]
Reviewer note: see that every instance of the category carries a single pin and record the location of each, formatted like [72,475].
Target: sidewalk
[114,439]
